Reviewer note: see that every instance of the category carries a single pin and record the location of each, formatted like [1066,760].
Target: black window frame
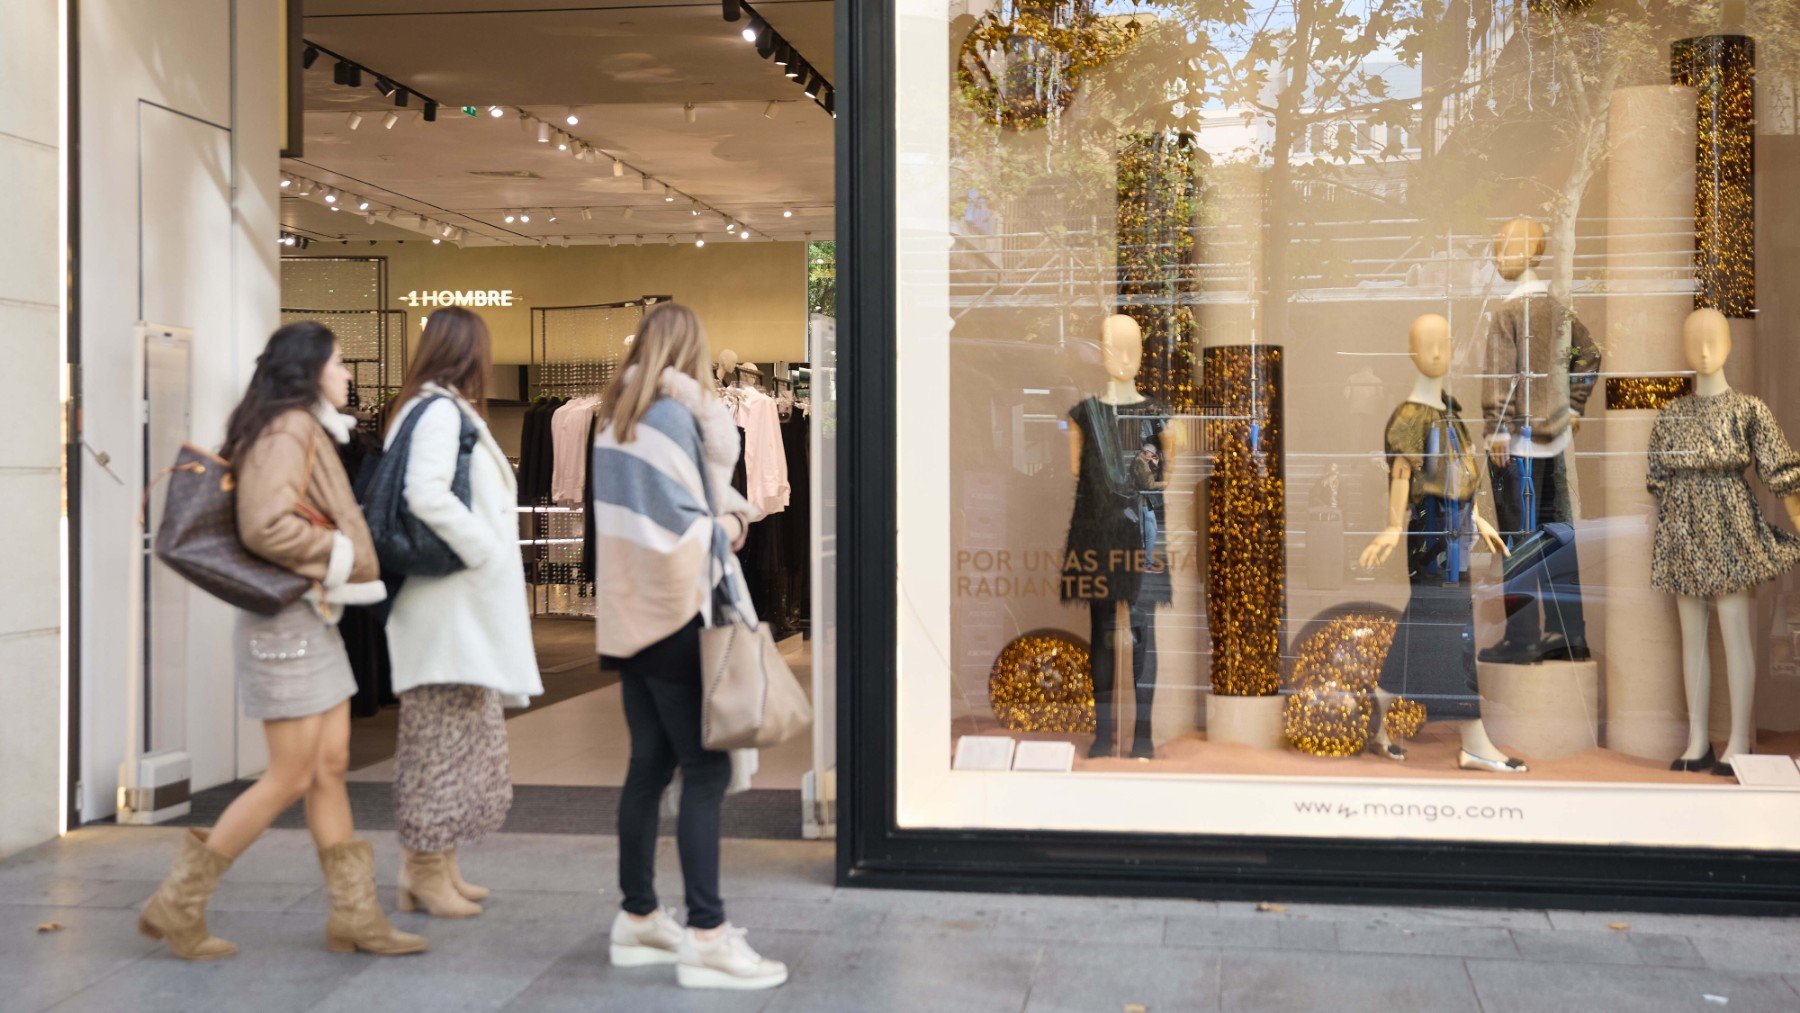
[873,851]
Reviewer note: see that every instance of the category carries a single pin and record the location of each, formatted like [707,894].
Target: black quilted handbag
[406,546]
[198,537]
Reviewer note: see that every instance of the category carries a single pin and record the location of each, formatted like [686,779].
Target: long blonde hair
[670,335]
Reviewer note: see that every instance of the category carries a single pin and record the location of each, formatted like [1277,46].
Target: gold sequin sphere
[1337,664]
[1329,719]
[1040,683]
[1405,718]
[1246,518]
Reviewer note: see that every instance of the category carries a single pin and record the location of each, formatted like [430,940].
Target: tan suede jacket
[270,479]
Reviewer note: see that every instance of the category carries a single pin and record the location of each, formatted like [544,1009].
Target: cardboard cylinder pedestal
[1245,720]
[1544,711]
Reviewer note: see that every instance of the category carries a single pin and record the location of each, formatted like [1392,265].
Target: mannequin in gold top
[1434,474]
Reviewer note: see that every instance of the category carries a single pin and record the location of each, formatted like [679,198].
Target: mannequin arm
[1489,537]
[1074,451]
[1382,546]
[1792,502]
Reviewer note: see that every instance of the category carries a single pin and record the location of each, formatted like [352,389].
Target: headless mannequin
[1429,343]
[1706,338]
[1122,354]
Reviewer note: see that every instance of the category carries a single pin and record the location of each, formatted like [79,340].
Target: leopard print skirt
[452,783]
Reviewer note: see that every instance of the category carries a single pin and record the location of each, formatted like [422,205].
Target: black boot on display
[1141,749]
[1707,762]
[1101,749]
[1506,652]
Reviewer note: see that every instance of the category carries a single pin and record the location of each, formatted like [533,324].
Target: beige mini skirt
[291,664]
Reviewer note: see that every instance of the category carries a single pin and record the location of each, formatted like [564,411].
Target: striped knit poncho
[659,502]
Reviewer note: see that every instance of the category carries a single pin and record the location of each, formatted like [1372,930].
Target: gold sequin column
[1246,557]
[1722,69]
[1649,260]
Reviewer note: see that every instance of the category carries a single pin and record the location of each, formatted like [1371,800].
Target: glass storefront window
[1327,419]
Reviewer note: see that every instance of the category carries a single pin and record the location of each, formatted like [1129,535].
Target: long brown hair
[455,351]
[670,335]
[286,377]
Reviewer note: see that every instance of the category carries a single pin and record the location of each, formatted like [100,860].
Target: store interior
[665,153]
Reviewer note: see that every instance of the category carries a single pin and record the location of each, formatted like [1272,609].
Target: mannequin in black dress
[1107,562]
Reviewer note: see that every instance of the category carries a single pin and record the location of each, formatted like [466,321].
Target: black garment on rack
[537,450]
[587,505]
[364,629]
[796,525]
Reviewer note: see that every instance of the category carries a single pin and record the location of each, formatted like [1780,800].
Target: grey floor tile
[823,916]
[1430,941]
[121,893]
[40,969]
[1738,953]
[582,980]
[473,964]
[1507,918]
[910,973]
[1679,924]
[1510,986]
[1086,977]
[1271,931]
[1574,947]
[1293,980]
[281,965]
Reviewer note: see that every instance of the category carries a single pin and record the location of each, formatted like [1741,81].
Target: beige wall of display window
[750,295]
[1028,217]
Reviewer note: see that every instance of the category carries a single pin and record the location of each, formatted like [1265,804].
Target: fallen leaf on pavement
[49,926]
[1619,926]
[1267,907]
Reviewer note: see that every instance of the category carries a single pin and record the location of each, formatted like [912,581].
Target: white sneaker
[726,961]
[637,943]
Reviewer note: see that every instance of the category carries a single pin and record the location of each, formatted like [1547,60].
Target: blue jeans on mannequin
[662,696]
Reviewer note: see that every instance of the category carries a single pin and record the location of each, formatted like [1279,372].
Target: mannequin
[1712,542]
[1540,369]
[1109,563]
[1434,475]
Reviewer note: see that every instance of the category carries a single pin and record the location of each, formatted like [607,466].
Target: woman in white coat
[460,643]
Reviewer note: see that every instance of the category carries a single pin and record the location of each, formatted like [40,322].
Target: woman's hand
[1490,537]
[1380,549]
[743,532]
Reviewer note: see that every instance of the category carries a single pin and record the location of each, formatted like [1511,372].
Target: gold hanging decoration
[1022,70]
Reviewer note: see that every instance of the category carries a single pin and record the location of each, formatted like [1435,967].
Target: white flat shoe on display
[726,961]
[1390,751]
[641,943]
[1469,761]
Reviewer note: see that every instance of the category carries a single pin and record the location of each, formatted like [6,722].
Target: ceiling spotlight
[340,73]
[612,240]
[390,119]
[362,205]
[334,207]
[765,42]
[668,194]
[307,187]
[354,121]
[669,240]
[543,132]
[431,112]
[562,144]
[812,86]
[829,102]
[447,230]
[331,196]
[772,110]
[524,217]
[552,217]
[435,241]
[731,226]
[310,57]
[571,119]
[618,168]
[787,212]
[646,182]
[385,87]
[690,112]
[699,240]
[629,212]
[353,76]
[286,182]
[784,54]
[393,214]
[732,12]
[587,215]
[749,32]
[496,112]
[370,218]
[794,70]
[743,233]
[510,218]
[637,240]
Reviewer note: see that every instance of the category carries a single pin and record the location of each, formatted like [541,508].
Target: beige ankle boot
[469,890]
[356,921]
[425,882]
[176,913]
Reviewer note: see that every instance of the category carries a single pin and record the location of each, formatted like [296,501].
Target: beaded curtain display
[1337,666]
[374,345]
[1040,683]
[1246,516]
[1021,64]
[1645,393]
[1158,280]
[1722,68]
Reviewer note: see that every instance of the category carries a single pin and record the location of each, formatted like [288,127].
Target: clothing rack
[575,351]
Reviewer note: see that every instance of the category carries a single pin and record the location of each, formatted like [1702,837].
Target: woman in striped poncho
[666,520]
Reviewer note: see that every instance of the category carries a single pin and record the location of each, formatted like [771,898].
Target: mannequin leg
[1143,663]
[1380,738]
[1740,673]
[1475,740]
[1102,665]
[1696,672]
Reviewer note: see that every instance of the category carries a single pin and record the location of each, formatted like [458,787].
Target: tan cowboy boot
[176,913]
[425,882]
[356,921]
[469,890]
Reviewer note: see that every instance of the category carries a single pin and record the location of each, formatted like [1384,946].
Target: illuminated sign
[453,297]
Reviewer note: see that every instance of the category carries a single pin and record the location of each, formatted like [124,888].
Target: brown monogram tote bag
[198,537]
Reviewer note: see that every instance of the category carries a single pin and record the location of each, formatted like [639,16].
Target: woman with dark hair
[460,643]
[294,509]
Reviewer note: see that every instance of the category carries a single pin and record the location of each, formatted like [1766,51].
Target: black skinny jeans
[661,688]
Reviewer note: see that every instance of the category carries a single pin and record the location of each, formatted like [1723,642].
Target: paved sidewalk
[541,944]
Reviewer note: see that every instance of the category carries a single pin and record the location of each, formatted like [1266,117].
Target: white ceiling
[627,67]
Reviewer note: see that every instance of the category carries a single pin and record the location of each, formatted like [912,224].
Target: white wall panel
[28,68]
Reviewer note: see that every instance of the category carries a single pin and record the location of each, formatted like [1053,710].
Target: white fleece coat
[473,626]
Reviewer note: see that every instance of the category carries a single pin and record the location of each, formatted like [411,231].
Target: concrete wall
[31,780]
[751,296]
[180,116]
